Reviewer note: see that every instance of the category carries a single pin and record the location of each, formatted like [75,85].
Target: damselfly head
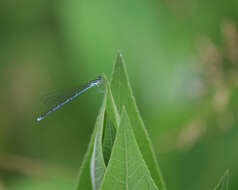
[101,84]
[98,81]
[99,78]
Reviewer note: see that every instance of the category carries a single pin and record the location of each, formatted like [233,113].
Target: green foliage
[120,155]
[126,168]
[93,166]
[97,164]
[123,96]
[224,182]
[118,94]
[108,140]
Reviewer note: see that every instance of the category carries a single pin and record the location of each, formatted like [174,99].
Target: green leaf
[108,139]
[224,182]
[126,168]
[109,109]
[84,180]
[112,119]
[111,105]
[122,93]
[97,165]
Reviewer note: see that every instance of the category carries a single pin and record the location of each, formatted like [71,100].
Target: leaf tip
[119,53]
[226,174]
[224,182]
[120,59]
[104,78]
[119,68]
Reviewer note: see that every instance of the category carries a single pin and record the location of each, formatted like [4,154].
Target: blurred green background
[182,61]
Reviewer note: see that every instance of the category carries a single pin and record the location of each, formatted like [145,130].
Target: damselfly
[89,85]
